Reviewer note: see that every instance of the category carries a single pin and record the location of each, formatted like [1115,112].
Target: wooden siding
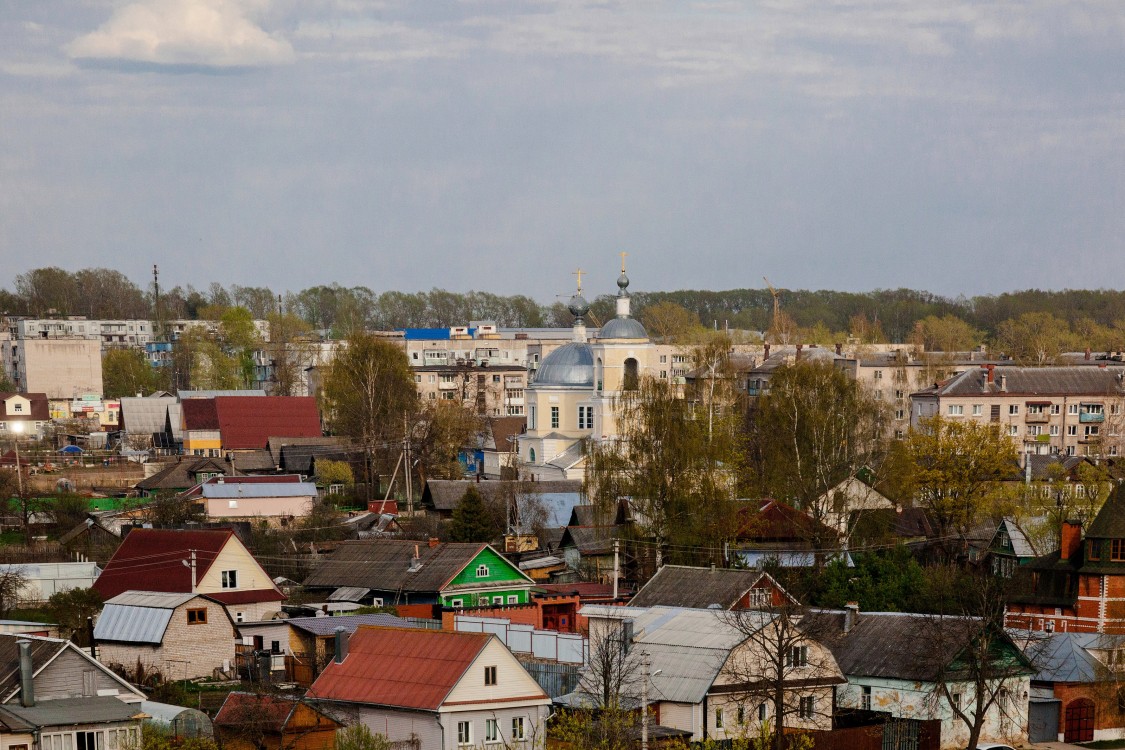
[512,680]
[234,556]
[63,678]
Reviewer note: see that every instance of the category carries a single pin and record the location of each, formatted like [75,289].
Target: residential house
[247,423]
[703,588]
[1009,548]
[247,721]
[449,690]
[771,531]
[1045,410]
[152,422]
[43,580]
[212,562]
[587,544]
[91,540]
[59,669]
[24,414]
[395,571]
[500,447]
[706,669]
[843,505]
[551,502]
[298,455]
[200,427]
[276,501]
[902,663]
[180,636]
[1076,689]
[185,473]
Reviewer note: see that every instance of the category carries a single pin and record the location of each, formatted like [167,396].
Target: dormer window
[1117,550]
[482,571]
[1092,551]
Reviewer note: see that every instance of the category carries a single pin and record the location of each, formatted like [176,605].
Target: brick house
[1076,691]
[1081,586]
[181,636]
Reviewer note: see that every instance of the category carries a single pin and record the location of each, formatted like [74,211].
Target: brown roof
[684,586]
[40,407]
[401,667]
[248,422]
[384,565]
[184,473]
[1036,381]
[504,432]
[200,414]
[270,713]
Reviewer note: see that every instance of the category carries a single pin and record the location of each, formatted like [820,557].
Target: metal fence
[555,679]
[550,645]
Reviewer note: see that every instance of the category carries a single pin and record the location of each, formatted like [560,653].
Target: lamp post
[646,675]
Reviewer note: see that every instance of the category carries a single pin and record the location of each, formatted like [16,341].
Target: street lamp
[17,427]
[646,676]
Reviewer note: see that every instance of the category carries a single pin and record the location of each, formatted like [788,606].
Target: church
[571,397]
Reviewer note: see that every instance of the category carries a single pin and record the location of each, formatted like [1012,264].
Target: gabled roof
[270,713]
[1021,545]
[503,432]
[1068,657]
[446,494]
[685,586]
[144,415]
[400,667]
[237,490]
[774,521]
[384,565]
[43,651]
[139,616]
[299,448]
[40,408]
[589,540]
[1110,521]
[247,422]
[1035,381]
[184,474]
[67,712]
[199,414]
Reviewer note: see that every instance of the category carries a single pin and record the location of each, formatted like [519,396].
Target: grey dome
[578,306]
[622,282]
[623,328]
[570,365]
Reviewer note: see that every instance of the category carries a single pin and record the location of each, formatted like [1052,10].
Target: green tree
[948,333]
[1034,338]
[72,608]
[127,372]
[369,394]
[669,322]
[470,521]
[333,472]
[956,469]
[814,428]
[885,581]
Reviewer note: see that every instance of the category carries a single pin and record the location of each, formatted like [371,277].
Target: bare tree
[612,677]
[12,583]
[782,675]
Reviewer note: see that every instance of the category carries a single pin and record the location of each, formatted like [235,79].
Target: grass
[1104,744]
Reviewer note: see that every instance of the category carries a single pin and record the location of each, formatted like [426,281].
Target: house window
[1072,409]
[762,712]
[197,617]
[585,417]
[978,410]
[230,579]
[464,733]
[513,599]
[1117,550]
[519,729]
[498,600]
[798,656]
[718,718]
[239,616]
[554,417]
[491,731]
[760,598]
[457,603]
[495,378]
[490,675]
[740,716]
[807,707]
[232,504]
[865,698]
[956,410]
[878,374]
[18,407]
[275,647]
[955,699]
[482,571]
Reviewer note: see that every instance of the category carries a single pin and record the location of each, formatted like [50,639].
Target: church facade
[572,395]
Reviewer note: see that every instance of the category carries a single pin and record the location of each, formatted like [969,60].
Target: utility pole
[616,567]
[191,566]
[407,462]
[644,701]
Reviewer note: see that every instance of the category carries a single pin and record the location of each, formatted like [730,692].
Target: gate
[1043,720]
[1079,721]
[901,734]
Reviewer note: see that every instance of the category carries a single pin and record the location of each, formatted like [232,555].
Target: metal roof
[685,586]
[623,328]
[119,622]
[350,623]
[1068,657]
[71,711]
[569,366]
[154,599]
[213,394]
[1032,381]
[146,415]
[349,594]
[222,490]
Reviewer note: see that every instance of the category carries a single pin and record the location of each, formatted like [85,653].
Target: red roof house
[405,678]
[248,422]
[154,560]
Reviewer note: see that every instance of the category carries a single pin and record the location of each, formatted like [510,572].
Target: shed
[178,720]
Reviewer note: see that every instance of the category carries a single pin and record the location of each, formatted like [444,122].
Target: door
[1079,721]
[1043,721]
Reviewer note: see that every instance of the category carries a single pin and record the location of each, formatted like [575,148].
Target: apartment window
[585,417]
[1117,550]
[554,417]
[1053,429]
[955,410]
[519,729]
[464,733]
[515,411]
[1035,408]
[798,656]
[230,579]
[1115,409]
[514,392]
[1034,429]
[197,617]
[900,394]
[878,374]
[663,359]
[865,698]
[762,712]
[491,730]
[807,707]
[433,396]
[432,378]
[482,571]
[740,716]
[1056,409]
[1095,409]
[417,378]
[1013,429]
[447,395]
[718,718]
[495,378]
[664,374]
[1072,409]
[1091,430]
[900,413]
[879,394]
[1013,409]
[1113,450]
[490,675]
[1072,429]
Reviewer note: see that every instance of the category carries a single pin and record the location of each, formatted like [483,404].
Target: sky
[960,146]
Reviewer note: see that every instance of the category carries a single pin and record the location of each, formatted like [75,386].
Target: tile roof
[1036,381]
[199,414]
[151,559]
[684,586]
[384,565]
[400,667]
[247,422]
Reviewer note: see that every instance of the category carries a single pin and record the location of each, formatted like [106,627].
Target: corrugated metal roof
[684,586]
[249,422]
[349,594]
[350,623]
[71,711]
[1068,657]
[222,490]
[213,394]
[156,599]
[138,616]
[146,415]
[151,559]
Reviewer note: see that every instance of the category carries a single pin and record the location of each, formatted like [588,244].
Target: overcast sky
[961,146]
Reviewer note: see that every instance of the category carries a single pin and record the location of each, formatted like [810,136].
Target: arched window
[531,455]
[598,375]
[632,377]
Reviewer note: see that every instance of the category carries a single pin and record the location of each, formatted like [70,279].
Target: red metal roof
[199,414]
[151,560]
[403,667]
[266,711]
[248,422]
[246,597]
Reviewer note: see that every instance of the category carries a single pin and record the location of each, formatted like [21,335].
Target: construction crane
[776,300]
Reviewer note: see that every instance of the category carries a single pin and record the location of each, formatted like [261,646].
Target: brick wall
[187,651]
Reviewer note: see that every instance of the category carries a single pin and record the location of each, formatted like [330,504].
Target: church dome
[623,328]
[571,365]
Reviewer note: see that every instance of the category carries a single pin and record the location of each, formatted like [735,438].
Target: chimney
[1087,354]
[839,349]
[991,373]
[1070,542]
[341,645]
[851,614]
[1004,383]
[434,541]
[766,353]
[800,348]
[27,684]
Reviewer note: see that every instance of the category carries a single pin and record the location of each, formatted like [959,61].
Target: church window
[554,417]
[632,375]
[585,417]
[531,455]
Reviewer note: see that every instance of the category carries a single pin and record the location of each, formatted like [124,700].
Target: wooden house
[247,721]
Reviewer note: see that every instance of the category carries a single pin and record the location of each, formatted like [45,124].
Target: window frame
[229,579]
[482,571]
[193,616]
[519,729]
[490,675]
[464,734]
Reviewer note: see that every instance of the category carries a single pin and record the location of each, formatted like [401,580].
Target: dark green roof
[1110,521]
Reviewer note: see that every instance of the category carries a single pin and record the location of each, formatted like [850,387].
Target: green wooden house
[396,571]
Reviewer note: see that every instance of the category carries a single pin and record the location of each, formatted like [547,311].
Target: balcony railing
[1041,418]
[1086,418]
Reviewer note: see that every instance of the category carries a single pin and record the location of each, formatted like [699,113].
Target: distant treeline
[105,293]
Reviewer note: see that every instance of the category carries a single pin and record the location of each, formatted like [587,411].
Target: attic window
[1117,550]
[230,579]
[482,571]
[17,407]
[197,617]
[1092,551]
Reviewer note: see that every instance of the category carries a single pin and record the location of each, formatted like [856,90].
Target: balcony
[447,386]
[1088,418]
[1040,418]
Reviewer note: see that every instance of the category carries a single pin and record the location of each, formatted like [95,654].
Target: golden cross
[623,254]
[578,273]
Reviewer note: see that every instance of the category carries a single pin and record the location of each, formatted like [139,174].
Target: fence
[565,648]
[555,679]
